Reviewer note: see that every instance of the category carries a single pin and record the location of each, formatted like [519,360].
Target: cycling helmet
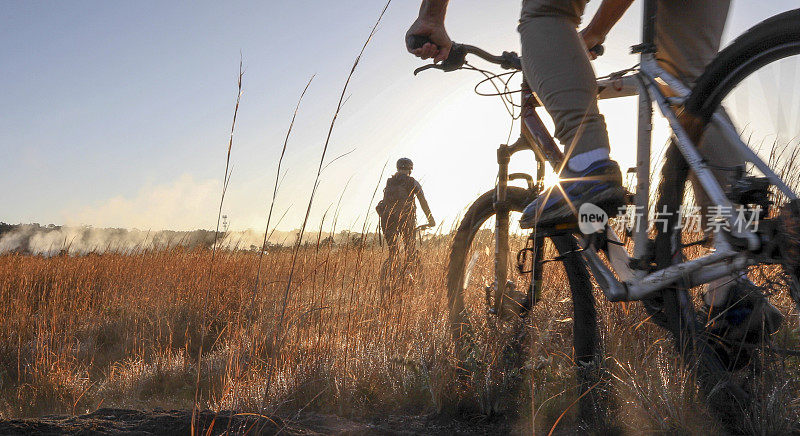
[405,164]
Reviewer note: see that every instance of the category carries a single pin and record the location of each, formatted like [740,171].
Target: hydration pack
[398,195]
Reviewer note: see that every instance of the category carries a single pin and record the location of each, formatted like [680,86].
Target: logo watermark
[591,219]
[713,219]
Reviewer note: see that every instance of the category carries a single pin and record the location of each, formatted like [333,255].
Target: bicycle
[400,273]
[658,272]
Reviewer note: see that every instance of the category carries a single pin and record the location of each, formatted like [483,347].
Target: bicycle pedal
[560,229]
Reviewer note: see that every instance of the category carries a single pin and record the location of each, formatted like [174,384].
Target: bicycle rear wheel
[755,81]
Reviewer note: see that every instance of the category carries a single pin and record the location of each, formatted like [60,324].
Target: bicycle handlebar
[459,52]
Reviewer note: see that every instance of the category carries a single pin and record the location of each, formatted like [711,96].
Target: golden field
[114,330]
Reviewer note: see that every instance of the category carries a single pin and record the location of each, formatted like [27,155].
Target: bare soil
[178,422]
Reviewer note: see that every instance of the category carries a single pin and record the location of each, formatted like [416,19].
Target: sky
[118,114]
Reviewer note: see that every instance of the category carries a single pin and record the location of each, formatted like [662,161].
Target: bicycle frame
[651,83]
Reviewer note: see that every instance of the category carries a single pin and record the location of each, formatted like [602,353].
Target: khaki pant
[558,69]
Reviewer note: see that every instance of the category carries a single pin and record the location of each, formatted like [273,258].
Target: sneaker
[599,184]
[742,322]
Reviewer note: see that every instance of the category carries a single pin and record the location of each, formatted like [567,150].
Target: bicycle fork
[502,217]
[502,226]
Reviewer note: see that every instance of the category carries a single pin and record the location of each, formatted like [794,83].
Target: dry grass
[124,330]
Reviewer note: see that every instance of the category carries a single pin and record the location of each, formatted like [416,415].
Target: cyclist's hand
[591,39]
[435,31]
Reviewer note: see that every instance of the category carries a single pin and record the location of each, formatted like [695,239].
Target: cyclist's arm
[430,24]
[607,15]
[424,204]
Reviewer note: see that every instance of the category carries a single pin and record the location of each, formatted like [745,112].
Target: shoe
[599,184]
[745,320]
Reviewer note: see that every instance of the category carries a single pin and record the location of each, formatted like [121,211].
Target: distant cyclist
[398,210]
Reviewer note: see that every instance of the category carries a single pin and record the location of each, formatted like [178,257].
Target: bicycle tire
[585,333]
[772,40]
[477,214]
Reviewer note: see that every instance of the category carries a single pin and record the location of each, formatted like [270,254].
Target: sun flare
[551,179]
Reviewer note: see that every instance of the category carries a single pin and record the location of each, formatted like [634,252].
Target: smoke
[53,240]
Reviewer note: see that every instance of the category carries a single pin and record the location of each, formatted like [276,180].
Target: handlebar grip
[414,42]
[598,50]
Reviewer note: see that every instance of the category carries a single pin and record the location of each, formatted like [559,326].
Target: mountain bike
[659,272]
[398,272]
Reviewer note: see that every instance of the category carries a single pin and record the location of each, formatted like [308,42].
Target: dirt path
[178,422]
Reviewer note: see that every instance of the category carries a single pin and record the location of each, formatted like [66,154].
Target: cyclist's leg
[688,36]
[410,241]
[558,69]
[410,238]
[392,234]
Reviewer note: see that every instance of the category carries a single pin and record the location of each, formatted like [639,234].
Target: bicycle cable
[505,95]
[620,73]
[490,78]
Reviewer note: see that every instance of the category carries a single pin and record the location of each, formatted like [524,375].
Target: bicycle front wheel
[470,271]
[471,275]
[482,337]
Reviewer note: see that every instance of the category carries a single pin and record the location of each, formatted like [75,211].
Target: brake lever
[428,67]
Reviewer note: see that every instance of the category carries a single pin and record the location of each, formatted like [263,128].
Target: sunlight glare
[550,179]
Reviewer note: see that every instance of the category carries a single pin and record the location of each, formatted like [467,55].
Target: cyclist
[398,210]
[557,67]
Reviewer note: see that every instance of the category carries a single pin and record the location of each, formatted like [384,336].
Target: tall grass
[77,333]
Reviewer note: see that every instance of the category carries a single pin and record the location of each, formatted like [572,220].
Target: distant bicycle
[400,272]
